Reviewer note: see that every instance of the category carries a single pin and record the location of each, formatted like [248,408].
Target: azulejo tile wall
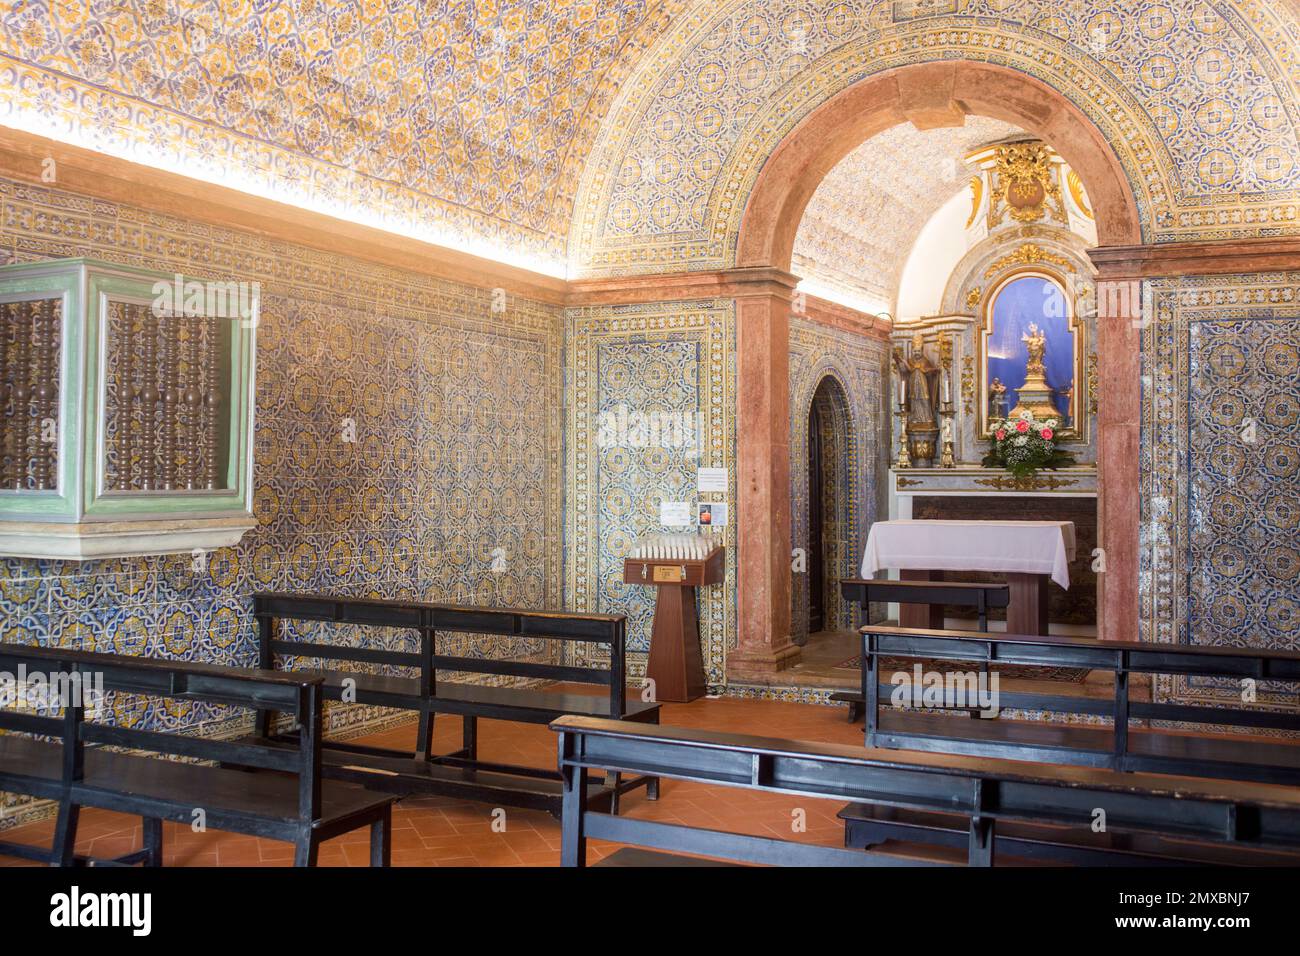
[854,365]
[1221,468]
[1196,99]
[451,489]
[638,376]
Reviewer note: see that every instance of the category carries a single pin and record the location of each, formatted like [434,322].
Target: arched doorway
[824,497]
[929,95]
[817,515]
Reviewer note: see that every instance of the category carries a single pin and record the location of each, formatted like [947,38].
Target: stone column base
[761,667]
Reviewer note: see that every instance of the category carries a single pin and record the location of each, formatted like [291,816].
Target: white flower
[1051,423]
[1022,440]
[1027,414]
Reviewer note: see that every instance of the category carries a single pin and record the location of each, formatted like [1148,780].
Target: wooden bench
[460,773]
[934,594]
[1120,746]
[867,826]
[292,804]
[990,793]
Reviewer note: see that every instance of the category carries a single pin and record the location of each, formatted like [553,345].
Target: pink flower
[1046,434]
[1001,434]
[1022,426]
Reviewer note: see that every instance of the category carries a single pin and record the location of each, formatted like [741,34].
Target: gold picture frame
[1077,430]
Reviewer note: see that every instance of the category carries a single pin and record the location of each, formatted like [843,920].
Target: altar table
[1029,553]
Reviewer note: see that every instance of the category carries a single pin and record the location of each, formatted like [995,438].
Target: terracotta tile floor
[436,831]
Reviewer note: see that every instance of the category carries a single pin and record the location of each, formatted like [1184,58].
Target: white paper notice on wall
[712,479]
[675,514]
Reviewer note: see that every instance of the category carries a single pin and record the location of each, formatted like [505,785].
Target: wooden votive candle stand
[676,665]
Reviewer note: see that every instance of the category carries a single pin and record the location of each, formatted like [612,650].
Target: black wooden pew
[48,757]
[1120,746]
[460,773]
[936,594]
[989,792]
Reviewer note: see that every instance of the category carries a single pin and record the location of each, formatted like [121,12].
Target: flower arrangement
[1022,445]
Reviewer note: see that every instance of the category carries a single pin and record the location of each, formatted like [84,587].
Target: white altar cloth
[1025,547]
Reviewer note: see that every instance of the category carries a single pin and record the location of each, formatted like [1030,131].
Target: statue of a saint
[1065,398]
[922,379]
[1035,396]
[997,399]
[1036,344]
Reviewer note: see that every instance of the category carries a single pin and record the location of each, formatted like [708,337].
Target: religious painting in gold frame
[1032,308]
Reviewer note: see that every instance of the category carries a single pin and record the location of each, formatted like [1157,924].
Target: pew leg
[65,834]
[573,837]
[305,850]
[981,842]
[612,780]
[469,736]
[265,723]
[861,835]
[153,841]
[652,785]
[424,736]
[381,839]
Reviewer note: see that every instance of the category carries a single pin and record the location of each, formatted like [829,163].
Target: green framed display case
[127,399]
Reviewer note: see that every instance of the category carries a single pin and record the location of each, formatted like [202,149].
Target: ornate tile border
[728,86]
[675,359]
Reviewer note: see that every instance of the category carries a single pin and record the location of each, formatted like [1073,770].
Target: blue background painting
[1031,299]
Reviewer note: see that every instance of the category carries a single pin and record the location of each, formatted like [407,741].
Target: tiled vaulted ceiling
[470,122]
[861,223]
[473,114]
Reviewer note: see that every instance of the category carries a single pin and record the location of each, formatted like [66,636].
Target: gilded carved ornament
[976,197]
[1075,185]
[1093,382]
[968,383]
[1027,255]
[1029,483]
[1024,184]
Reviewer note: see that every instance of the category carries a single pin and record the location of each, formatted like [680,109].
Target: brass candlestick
[946,459]
[904,458]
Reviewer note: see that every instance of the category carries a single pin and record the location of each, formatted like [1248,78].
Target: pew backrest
[84,678]
[988,789]
[1220,756]
[427,620]
[981,597]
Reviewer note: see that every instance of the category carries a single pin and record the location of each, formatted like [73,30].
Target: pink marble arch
[928,95]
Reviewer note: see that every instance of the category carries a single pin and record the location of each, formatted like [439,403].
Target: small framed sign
[713,514]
